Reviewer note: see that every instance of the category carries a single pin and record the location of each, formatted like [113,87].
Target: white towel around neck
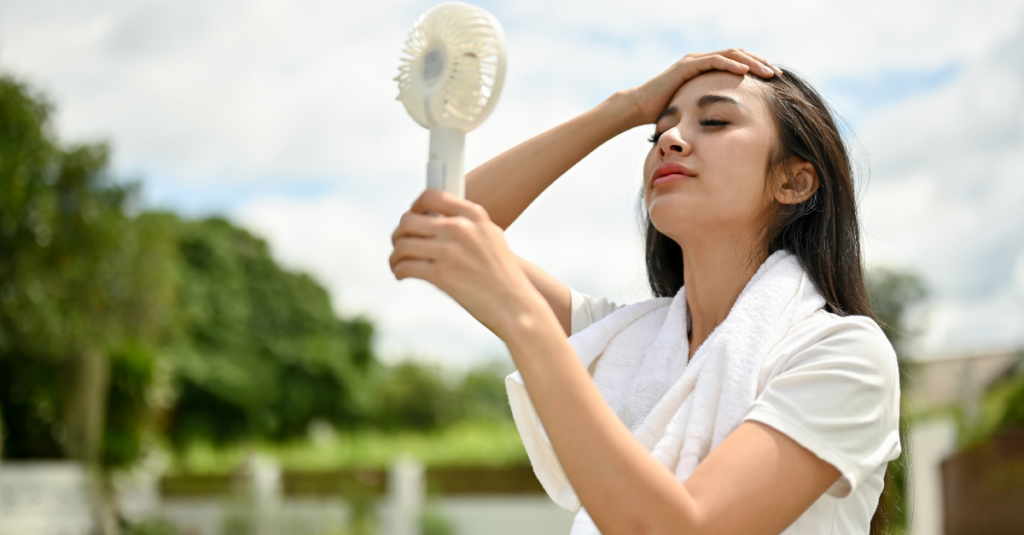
[679,411]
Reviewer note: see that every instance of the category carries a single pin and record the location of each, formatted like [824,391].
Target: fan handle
[444,167]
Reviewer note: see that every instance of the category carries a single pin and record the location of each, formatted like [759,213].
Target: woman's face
[705,174]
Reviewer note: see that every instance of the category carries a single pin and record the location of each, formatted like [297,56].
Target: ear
[798,184]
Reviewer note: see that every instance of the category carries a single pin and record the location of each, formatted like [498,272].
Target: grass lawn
[482,443]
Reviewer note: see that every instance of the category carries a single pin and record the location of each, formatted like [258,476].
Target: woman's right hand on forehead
[651,98]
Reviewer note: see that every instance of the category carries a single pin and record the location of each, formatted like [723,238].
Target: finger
[417,249]
[714,62]
[415,269]
[769,64]
[738,54]
[416,225]
[754,66]
[446,204]
[757,66]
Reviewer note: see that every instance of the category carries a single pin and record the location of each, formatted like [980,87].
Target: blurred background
[199,332]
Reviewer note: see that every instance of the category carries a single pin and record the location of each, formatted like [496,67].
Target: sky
[281,116]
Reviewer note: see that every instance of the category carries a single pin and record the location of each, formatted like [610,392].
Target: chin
[673,217]
[678,216]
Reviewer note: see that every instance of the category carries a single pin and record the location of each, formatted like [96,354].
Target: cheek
[740,179]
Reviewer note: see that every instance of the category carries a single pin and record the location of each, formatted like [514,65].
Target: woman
[754,394]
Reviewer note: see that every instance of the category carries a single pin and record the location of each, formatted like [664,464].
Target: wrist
[529,323]
[620,111]
[624,107]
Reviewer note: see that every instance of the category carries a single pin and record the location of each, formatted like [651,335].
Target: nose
[671,141]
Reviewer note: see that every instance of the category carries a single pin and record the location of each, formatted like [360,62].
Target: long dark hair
[822,232]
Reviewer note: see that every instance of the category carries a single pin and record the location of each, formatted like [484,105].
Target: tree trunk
[87,382]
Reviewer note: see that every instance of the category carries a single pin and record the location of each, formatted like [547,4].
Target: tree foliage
[114,324]
[257,350]
[410,395]
[70,284]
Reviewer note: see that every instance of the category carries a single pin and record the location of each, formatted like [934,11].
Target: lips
[670,171]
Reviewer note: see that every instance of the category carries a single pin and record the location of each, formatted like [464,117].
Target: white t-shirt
[832,385]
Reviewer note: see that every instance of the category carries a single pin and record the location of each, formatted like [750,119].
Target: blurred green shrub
[1013,415]
[482,395]
[1000,409]
[415,396]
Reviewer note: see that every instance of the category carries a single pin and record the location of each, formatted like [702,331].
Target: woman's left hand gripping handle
[453,244]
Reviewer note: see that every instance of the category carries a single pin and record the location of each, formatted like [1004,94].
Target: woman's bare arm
[554,292]
[507,184]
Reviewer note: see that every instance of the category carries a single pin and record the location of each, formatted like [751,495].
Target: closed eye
[653,138]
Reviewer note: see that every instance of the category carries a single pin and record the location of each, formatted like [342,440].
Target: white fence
[53,499]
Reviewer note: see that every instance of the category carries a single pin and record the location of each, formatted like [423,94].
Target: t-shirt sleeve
[837,394]
[587,310]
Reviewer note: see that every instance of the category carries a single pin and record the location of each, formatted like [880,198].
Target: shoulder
[823,325]
[850,341]
[832,385]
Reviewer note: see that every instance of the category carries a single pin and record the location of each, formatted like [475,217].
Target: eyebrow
[702,102]
[709,99]
[669,111]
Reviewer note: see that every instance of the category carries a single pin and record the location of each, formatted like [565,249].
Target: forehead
[744,89]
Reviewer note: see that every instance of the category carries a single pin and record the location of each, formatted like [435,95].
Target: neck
[714,276]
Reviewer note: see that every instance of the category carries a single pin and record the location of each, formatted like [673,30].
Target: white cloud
[946,195]
[229,98]
[223,91]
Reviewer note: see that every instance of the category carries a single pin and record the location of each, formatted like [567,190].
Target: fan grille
[451,67]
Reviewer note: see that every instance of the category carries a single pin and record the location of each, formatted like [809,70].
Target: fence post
[406,496]
[930,442]
[264,488]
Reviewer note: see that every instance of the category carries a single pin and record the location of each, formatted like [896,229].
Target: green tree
[74,293]
[69,282]
[257,350]
[103,314]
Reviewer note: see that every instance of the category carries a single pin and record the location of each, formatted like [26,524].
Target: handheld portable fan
[449,79]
